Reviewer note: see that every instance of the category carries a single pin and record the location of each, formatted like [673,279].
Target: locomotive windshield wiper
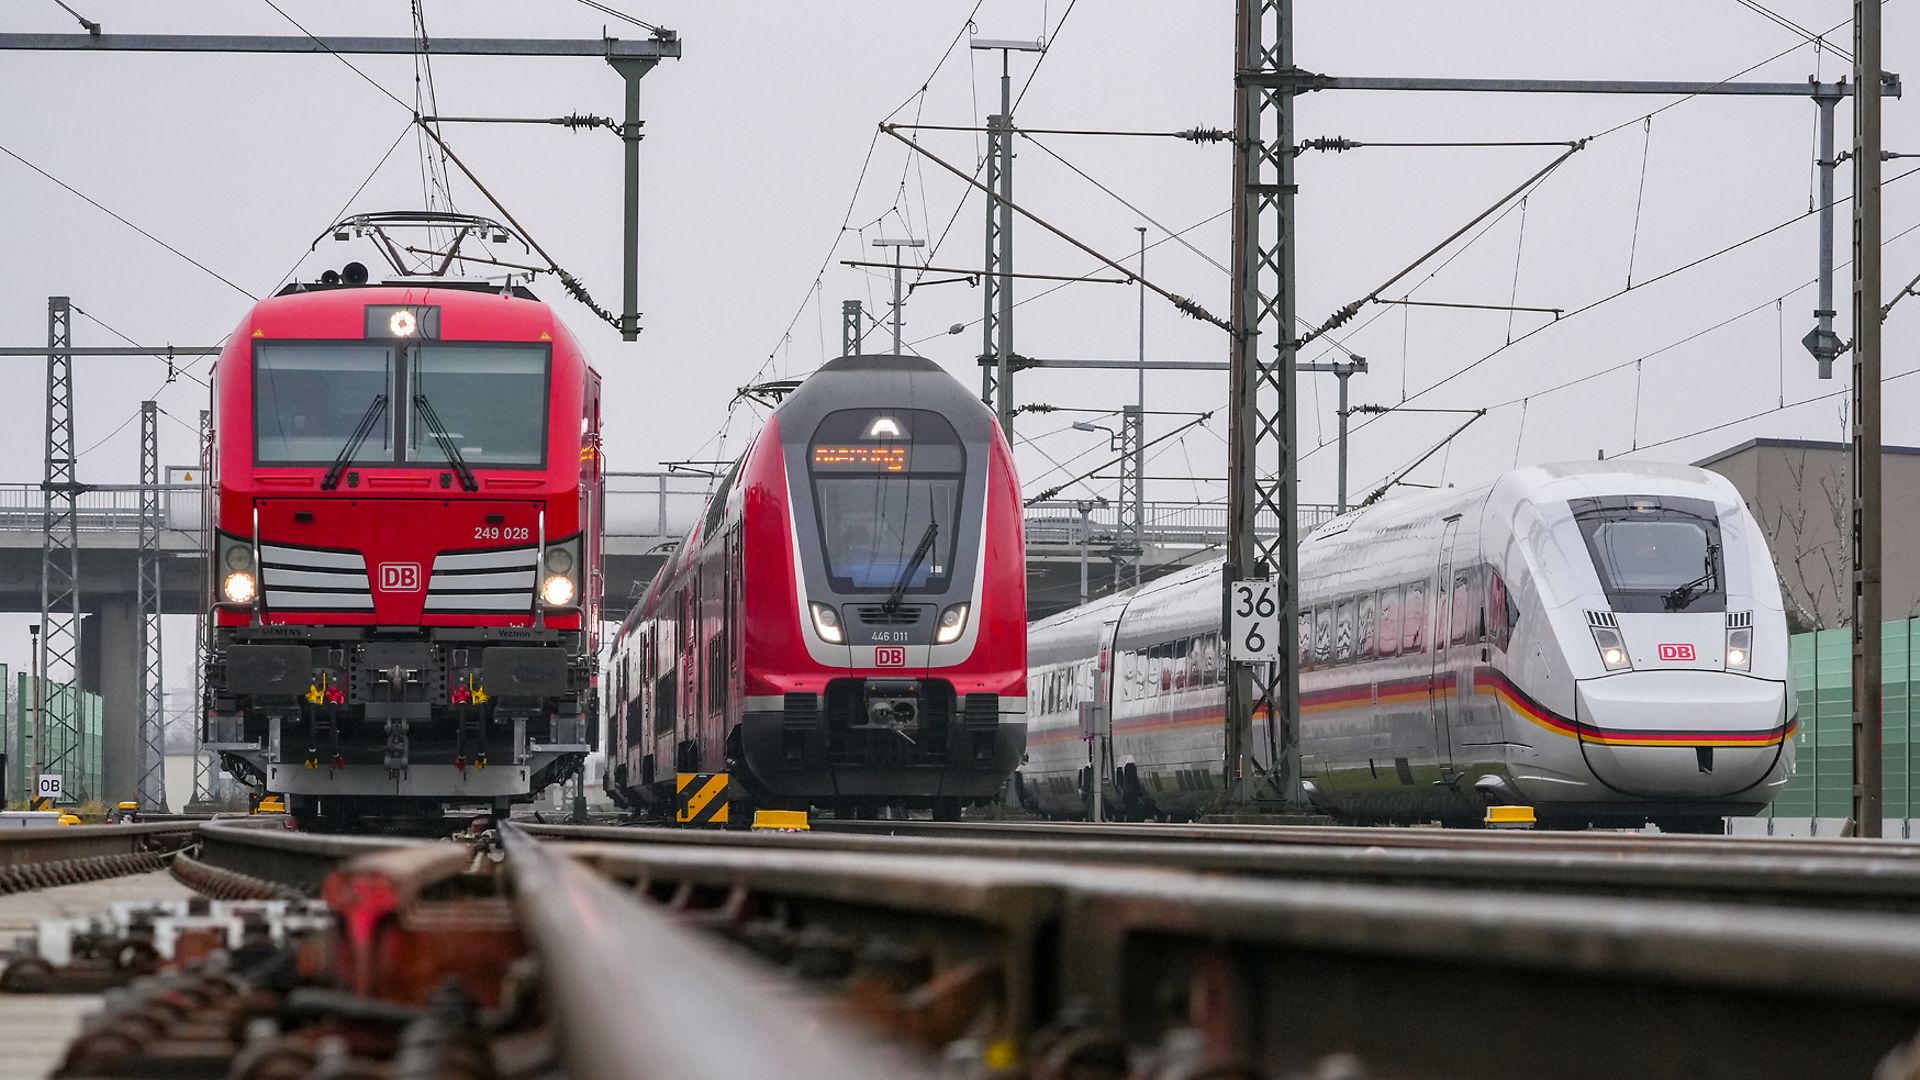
[454,457]
[1677,599]
[920,551]
[360,432]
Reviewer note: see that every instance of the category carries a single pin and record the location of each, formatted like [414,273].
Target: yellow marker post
[781,821]
[1510,817]
[700,798]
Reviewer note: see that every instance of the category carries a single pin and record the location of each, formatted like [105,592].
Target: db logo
[889,656]
[399,577]
[1676,652]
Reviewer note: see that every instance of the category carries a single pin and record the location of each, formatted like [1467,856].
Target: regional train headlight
[826,623]
[1613,650]
[238,587]
[953,623]
[557,591]
[559,560]
[1740,649]
[239,557]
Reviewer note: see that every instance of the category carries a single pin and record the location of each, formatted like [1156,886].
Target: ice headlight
[826,623]
[1740,649]
[1613,650]
[238,587]
[953,623]
[557,591]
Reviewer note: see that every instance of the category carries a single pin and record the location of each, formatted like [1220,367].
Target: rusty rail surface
[1058,965]
[1788,876]
[637,994]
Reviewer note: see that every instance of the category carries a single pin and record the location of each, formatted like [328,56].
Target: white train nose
[1681,734]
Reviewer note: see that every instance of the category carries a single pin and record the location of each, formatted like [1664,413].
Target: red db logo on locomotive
[399,577]
[889,656]
[1676,652]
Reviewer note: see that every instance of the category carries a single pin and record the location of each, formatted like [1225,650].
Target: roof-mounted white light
[402,323]
[885,427]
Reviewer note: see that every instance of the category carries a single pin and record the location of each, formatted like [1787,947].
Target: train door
[1096,722]
[1445,654]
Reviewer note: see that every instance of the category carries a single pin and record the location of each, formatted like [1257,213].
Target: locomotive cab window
[375,403]
[887,487]
[1654,554]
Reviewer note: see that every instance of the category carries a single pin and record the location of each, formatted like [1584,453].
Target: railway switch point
[1510,817]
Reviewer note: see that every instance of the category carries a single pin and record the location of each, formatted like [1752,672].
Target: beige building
[1799,491]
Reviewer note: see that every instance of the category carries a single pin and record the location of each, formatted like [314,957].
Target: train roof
[340,312]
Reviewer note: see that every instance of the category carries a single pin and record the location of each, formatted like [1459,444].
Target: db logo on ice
[399,577]
[889,656]
[1676,652]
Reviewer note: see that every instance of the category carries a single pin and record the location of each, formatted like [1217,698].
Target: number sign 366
[1253,620]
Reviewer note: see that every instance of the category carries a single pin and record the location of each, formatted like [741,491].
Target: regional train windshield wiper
[920,551]
[439,430]
[360,432]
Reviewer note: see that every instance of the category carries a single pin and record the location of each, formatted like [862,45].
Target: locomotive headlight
[1740,649]
[238,587]
[1613,650]
[826,623]
[557,591]
[403,323]
[239,557]
[953,623]
[559,560]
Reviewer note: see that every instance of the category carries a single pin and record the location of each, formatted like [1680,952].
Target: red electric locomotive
[846,626]
[406,566]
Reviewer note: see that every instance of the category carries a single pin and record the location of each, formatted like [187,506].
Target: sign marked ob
[46,793]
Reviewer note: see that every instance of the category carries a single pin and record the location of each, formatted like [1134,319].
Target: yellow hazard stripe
[700,798]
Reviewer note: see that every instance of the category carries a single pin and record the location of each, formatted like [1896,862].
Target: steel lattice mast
[153,715]
[1261,460]
[203,765]
[60,746]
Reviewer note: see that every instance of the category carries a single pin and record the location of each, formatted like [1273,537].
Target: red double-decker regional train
[406,565]
[846,626]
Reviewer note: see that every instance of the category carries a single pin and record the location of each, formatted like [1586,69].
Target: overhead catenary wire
[351,66]
[1640,195]
[1610,297]
[97,205]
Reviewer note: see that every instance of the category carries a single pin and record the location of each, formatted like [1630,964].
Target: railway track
[899,950]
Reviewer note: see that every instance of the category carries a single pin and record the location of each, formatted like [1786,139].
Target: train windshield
[490,400]
[887,486]
[310,398]
[1655,553]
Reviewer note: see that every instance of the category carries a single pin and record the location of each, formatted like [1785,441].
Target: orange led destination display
[874,458]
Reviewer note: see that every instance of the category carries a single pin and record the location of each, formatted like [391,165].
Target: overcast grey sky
[757,143]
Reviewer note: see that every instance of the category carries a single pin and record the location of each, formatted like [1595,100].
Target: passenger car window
[1413,619]
[1364,627]
[1343,631]
[1387,634]
[1465,607]
[1322,634]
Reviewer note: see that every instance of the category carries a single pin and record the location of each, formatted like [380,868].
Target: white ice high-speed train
[1603,642]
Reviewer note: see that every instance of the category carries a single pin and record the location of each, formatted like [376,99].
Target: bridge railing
[1057,522]
[659,505]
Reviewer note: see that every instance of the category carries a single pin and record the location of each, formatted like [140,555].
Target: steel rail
[22,847]
[1416,981]
[1387,836]
[1820,881]
[263,848]
[635,993]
